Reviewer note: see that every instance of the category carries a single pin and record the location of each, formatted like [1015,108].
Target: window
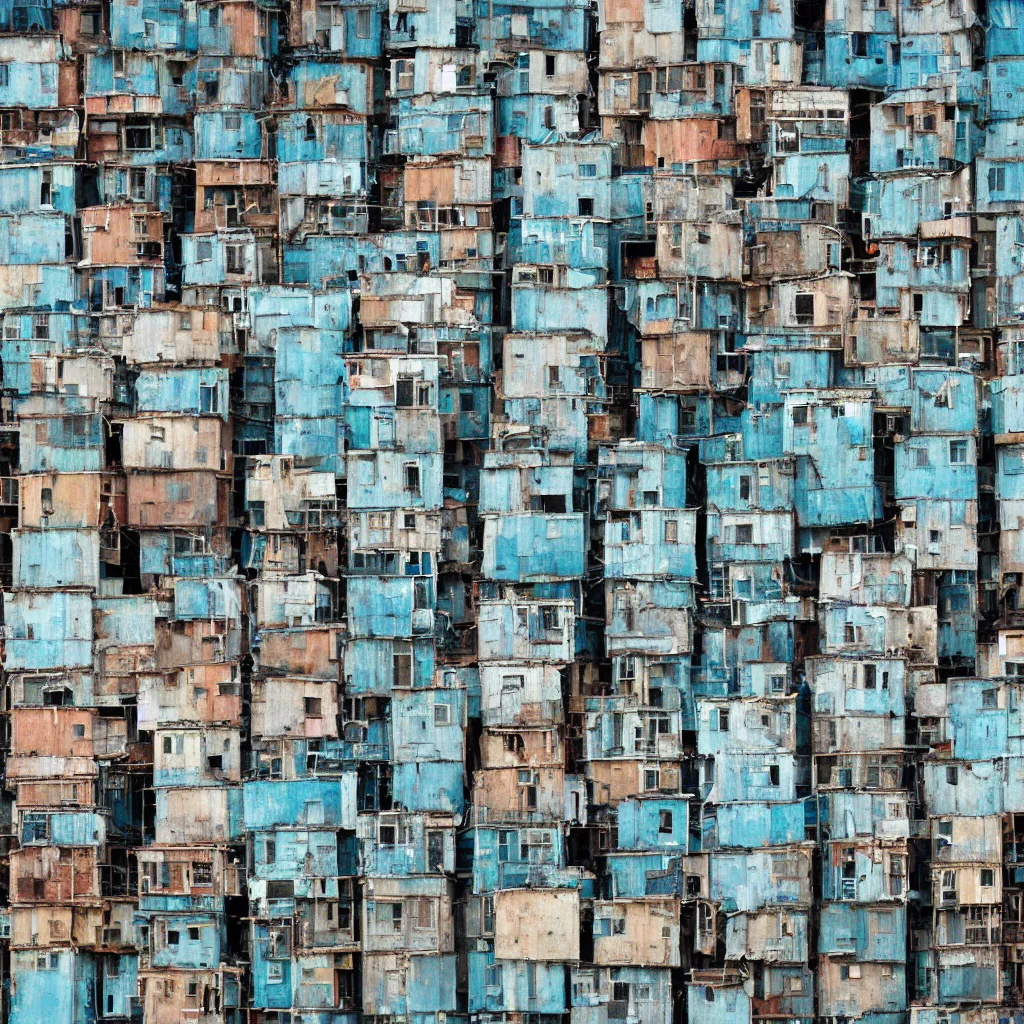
[550,618]
[404,72]
[402,670]
[896,876]
[442,714]
[138,135]
[549,65]
[424,913]
[804,308]
[745,488]
[587,170]
[313,707]
[671,527]
[958,453]
[665,823]
[744,533]
[209,398]
[997,179]
[363,26]
[92,23]
[723,720]
[585,206]
[952,775]
[235,258]
[948,888]
[801,415]
[5,75]
[404,392]
[987,878]
[390,916]
[232,122]
[506,846]
[204,250]
[677,240]
[412,477]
